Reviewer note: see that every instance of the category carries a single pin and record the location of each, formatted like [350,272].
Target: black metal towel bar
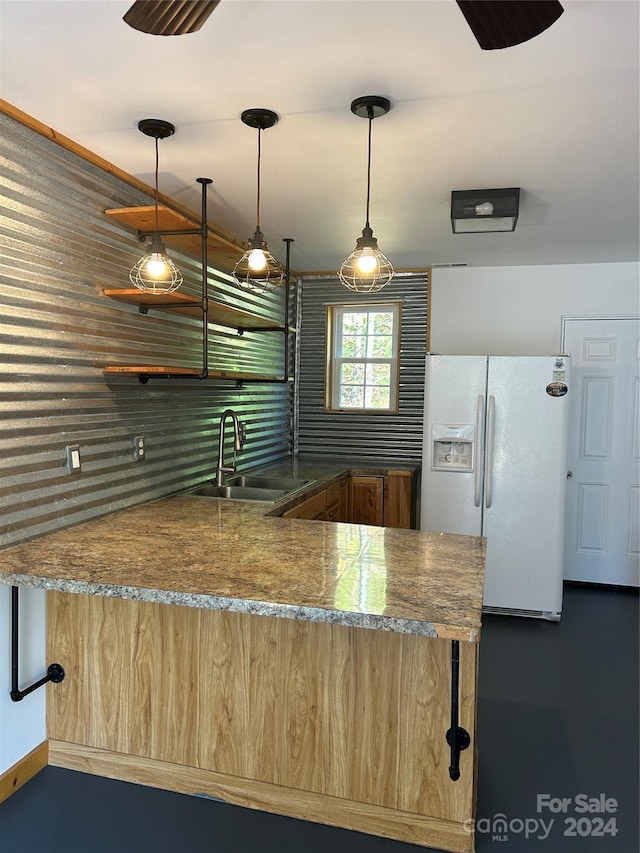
[457,737]
[55,672]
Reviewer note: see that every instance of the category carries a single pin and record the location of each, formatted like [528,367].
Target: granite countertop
[233,555]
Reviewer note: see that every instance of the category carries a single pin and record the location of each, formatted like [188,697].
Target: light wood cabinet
[367,500]
[398,499]
[318,721]
[383,501]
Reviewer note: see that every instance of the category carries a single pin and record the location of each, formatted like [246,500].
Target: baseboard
[18,775]
[265,796]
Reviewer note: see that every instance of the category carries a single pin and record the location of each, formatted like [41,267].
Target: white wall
[518,310]
[22,724]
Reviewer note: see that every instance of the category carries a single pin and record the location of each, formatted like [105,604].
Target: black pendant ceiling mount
[158,128]
[259,118]
[370,106]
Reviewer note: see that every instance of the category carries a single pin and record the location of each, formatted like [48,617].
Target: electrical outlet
[138,448]
[72,461]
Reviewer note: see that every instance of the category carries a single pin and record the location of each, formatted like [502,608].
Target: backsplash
[58,252]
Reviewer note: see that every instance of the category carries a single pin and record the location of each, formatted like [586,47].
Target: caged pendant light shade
[367,269]
[155,272]
[257,269]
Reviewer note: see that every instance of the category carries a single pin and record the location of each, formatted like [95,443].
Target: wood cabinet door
[367,500]
[397,499]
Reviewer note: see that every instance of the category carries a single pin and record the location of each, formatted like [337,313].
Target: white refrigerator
[495,464]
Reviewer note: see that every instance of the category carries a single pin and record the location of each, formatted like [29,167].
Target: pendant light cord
[369,166]
[156,213]
[258,198]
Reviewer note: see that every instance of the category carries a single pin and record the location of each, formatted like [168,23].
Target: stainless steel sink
[254,481]
[238,493]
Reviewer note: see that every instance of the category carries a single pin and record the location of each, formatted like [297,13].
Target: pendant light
[367,269]
[257,269]
[155,272]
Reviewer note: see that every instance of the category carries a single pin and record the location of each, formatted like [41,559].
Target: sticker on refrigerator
[452,447]
[556,389]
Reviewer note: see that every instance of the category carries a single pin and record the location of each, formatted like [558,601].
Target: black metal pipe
[177,232]
[287,274]
[457,737]
[204,233]
[14,642]
[454,769]
[55,672]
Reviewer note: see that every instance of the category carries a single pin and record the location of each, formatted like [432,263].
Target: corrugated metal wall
[358,435]
[57,330]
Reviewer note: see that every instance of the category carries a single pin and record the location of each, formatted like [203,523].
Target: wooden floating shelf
[222,253]
[166,301]
[154,370]
[222,315]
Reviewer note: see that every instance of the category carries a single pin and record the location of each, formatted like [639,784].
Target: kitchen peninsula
[299,667]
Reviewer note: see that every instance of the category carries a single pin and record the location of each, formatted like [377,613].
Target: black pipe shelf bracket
[457,737]
[55,673]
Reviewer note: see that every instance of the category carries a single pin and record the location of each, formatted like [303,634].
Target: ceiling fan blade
[503,23]
[169,17]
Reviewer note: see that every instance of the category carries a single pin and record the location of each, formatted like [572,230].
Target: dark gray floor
[558,716]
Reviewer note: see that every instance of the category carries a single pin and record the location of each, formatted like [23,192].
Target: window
[363,347]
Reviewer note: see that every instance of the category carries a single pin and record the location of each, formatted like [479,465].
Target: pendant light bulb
[155,272]
[367,269]
[257,269]
[256,260]
[367,262]
[156,267]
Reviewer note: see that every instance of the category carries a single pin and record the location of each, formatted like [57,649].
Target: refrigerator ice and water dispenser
[452,447]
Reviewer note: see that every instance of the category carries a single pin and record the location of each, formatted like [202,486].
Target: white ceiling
[557,116]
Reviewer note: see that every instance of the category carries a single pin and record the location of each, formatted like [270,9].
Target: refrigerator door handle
[488,462]
[477,482]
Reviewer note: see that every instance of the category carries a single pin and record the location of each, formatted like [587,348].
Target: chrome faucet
[239,435]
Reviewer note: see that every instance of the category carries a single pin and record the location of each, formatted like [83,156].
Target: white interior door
[602,543]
